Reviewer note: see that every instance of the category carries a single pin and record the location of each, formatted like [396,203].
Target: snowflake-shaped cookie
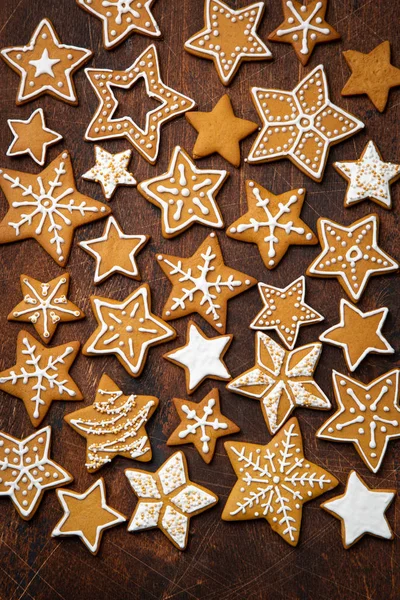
[110,170]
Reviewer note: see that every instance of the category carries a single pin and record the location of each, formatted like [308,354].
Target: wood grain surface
[224,561]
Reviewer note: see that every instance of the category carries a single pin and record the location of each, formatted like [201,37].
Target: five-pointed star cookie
[171,104]
[274,481]
[304,26]
[45,65]
[272,222]
[361,510]
[185,194]
[281,380]
[371,74]
[358,333]
[86,515]
[368,177]
[351,254]
[201,357]
[110,170]
[40,375]
[127,329]
[220,131]
[285,311]
[121,18]
[115,252]
[114,425]
[45,305]
[202,283]
[301,125]
[367,415]
[168,499]
[229,37]
[32,137]
[27,470]
[47,207]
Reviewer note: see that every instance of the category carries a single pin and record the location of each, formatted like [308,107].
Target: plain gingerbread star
[32,137]
[110,170]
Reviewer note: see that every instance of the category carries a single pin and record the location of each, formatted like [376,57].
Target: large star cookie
[32,137]
[110,170]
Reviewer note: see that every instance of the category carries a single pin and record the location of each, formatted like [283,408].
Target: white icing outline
[56,139]
[105,176]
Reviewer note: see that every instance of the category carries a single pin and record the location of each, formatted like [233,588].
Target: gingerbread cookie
[358,333]
[281,380]
[114,425]
[32,137]
[272,222]
[185,194]
[229,37]
[27,470]
[172,104]
[47,207]
[300,125]
[127,329]
[168,499]
[351,254]
[86,515]
[368,415]
[45,65]
[202,423]
[110,170]
[202,283]
[220,131]
[274,481]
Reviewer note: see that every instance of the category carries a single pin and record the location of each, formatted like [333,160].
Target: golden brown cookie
[110,170]
[32,137]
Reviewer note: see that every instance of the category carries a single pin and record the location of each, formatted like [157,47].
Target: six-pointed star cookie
[358,333]
[272,222]
[114,425]
[40,375]
[229,37]
[202,283]
[185,194]
[285,311]
[281,380]
[361,510]
[45,305]
[172,104]
[371,74]
[368,177]
[368,415]
[274,481]
[300,125]
[304,26]
[220,131]
[45,65]
[110,170]
[47,207]
[168,499]
[121,18]
[86,515]
[32,137]
[127,329]
[115,252]
[351,254]
[27,470]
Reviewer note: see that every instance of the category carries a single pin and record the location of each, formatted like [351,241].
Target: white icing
[304,26]
[42,158]
[191,499]
[146,516]
[201,422]
[110,170]
[172,474]
[143,484]
[44,65]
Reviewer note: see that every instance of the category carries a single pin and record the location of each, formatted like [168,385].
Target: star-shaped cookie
[220,131]
[371,74]
[367,415]
[45,65]
[229,37]
[32,137]
[185,194]
[115,252]
[274,481]
[285,311]
[272,222]
[351,254]
[110,170]
[202,283]
[358,333]
[368,177]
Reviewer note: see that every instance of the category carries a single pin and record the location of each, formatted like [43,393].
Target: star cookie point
[110,170]
[32,137]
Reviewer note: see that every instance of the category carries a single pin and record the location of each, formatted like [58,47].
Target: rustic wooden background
[228,561]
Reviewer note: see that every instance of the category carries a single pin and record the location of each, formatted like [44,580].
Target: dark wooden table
[224,561]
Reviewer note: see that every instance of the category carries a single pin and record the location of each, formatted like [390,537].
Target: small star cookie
[32,137]
[110,170]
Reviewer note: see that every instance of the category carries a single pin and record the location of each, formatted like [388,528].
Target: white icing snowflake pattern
[201,422]
[304,27]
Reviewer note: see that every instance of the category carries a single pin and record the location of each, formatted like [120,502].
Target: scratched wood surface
[228,561]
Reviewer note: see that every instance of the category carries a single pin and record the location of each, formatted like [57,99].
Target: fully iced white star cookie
[110,170]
